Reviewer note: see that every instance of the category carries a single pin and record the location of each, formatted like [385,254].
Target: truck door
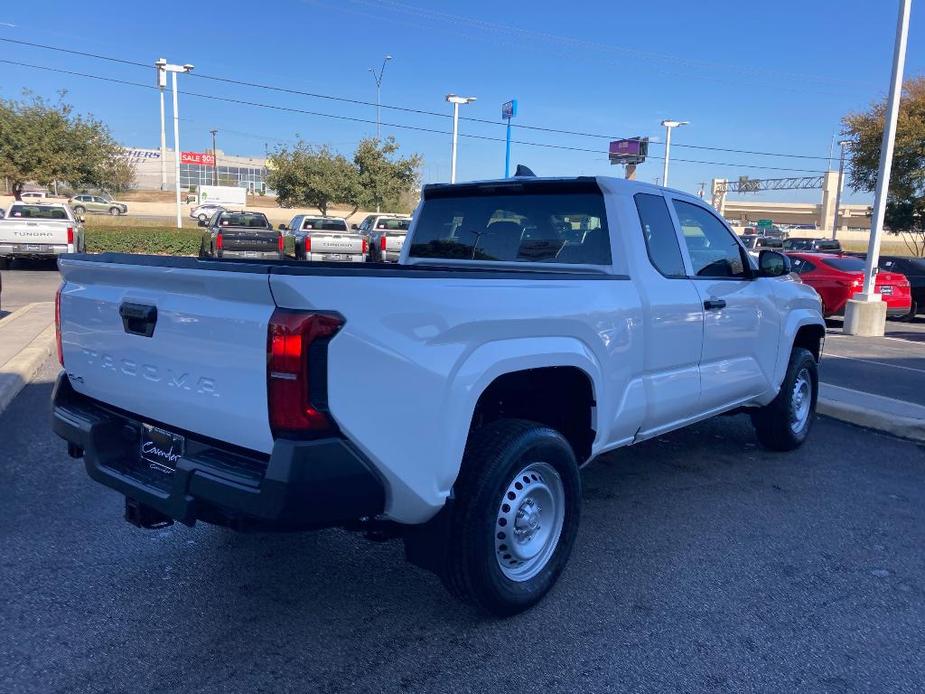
[673,322]
[741,325]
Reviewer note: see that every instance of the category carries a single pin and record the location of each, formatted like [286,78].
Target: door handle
[138,319]
[714,304]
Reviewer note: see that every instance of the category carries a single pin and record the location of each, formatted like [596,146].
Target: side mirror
[773,264]
[203,223]
[282,227]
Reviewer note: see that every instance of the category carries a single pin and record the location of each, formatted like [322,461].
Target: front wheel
[202,218]
[80,210]
[784,423]
[115,211]
[514,518]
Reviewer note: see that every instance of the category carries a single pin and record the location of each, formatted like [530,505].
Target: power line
[354,119]
[406,109]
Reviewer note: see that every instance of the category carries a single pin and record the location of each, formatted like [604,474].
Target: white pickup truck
[326,239]
[530,325]
[39,230]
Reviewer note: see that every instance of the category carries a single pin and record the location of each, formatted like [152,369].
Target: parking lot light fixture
[456,101]
[669,124]
[174,69]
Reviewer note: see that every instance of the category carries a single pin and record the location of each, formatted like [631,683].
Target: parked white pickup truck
[326,239]
[530,325]
[39,230]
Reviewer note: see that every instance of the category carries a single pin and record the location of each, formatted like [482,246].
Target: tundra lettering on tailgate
[202,385]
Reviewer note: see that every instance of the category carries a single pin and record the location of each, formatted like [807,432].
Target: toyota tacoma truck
[531,325]
[39,230]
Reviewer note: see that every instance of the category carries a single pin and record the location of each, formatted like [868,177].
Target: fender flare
[796,319]
[477,370]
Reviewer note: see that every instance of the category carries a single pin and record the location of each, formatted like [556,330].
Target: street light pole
[669,124]
[378,78]
[161,85]
[214,160]
[841,183]
[865,313]
[174,69]
[456,101]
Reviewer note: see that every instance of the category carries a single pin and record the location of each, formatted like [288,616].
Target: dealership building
[198,168]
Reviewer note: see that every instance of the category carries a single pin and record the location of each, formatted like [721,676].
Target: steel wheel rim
[529,521]
[801,400]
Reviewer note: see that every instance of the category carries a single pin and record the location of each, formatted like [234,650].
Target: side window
[659,233]
[713,249]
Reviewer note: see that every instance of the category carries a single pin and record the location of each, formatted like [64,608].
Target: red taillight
[70,236]
[382,242]
[219,242]
[58,326]
[308,244]
[365,246]
[295,342]
[279,243]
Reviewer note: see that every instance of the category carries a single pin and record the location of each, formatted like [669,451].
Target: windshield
[244,219]
[846,264]
[553,227]
[37,212]
[318,224]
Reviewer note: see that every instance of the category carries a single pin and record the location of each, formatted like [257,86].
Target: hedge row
[149,240]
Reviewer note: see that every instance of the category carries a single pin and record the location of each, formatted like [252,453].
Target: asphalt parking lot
[703,563]
[28,281]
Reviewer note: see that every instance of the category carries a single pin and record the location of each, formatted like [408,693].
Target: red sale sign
[200,158]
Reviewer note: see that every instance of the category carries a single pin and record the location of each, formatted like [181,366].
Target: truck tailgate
[394,241]
[39,231]
[204,366]
[234,239]
[328,242]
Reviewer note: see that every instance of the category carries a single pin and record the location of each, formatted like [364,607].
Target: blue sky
[771,77]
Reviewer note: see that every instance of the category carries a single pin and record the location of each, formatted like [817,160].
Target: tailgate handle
[138,319]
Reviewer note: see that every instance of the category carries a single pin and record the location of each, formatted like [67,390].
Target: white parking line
[872,361]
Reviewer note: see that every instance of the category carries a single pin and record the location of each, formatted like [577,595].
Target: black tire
[202,218]
[913,312]
[471,567]
[5,263]
[80,209]
[778,424]
[115,211]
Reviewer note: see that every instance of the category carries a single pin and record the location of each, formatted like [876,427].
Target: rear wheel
[784,423]
[514,518]
[913,312]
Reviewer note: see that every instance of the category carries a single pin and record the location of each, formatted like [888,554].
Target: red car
[839,277]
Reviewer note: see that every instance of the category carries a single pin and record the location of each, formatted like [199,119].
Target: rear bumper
[893,311]
[302,485]
[265,255]
[326,258]
[391,256]
[34,250]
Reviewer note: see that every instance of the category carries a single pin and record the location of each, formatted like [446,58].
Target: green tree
[384,178]
[307,176]
[46,142]
[905,207]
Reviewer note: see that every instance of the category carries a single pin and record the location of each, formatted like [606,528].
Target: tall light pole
[161,85]
[669,124]
[456,101]
[841,183]
[214,160]
[378,78]
[174,69]
[865,314]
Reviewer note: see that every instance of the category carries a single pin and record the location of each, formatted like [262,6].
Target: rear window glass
[37,212]
[847,264]
[554,227]
[393,224]
[828,245]
[324,224]
[243,219]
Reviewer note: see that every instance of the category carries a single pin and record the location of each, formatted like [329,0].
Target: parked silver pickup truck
[327,239]
[39,230]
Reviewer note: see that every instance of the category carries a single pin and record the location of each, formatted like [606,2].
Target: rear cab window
[320,224]
[254,220]
[550,222]
[393,224]
[37,212]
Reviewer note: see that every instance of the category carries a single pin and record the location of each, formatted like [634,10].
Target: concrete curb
[10,317]
[21,369]
[897,425]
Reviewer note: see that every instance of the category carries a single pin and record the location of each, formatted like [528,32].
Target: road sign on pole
[508,111]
